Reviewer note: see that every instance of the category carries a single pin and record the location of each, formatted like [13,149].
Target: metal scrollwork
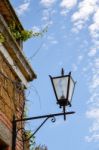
[53,119]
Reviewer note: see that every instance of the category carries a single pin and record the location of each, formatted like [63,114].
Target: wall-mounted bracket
[46,117]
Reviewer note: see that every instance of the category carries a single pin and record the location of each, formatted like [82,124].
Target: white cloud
[45,46]
[64,12]
[23,7]
[47,16]
[86,9]
[95,81]
[36,29]
[52,39]
[80,57]
[66,5]
[95,127]
[47,3]
[92,52]
[54,42]
[94,27]
[94,137]
[97,63]
[93,113]
[89,10]
[93,109]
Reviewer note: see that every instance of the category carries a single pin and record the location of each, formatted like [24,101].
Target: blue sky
[71,42]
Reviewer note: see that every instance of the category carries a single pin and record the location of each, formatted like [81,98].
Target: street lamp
[63,88]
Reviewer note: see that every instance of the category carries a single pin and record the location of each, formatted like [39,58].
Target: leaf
[2,39]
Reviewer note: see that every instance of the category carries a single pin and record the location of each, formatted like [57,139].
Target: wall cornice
[15,52]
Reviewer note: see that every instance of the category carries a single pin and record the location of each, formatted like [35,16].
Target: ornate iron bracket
[46,117]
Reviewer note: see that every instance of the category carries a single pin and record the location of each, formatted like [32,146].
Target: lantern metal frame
[45,117]
[63,102]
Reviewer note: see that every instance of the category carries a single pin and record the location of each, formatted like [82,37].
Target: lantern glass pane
[71,89]
[60,85]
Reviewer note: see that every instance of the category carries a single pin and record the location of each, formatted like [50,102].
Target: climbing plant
[31,140]
[24,34]
[2,39]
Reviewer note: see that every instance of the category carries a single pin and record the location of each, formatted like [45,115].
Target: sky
[71,42]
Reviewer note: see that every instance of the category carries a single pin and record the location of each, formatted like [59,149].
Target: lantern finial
[62,72]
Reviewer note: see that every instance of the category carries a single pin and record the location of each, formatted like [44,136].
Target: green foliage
[25,112]
[28,134]
[24,34]
[14,30]
[34,34]
[2,39]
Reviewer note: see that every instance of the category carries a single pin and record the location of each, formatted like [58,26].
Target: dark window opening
[3,146]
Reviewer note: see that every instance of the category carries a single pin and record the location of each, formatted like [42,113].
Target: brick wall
[11,103]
